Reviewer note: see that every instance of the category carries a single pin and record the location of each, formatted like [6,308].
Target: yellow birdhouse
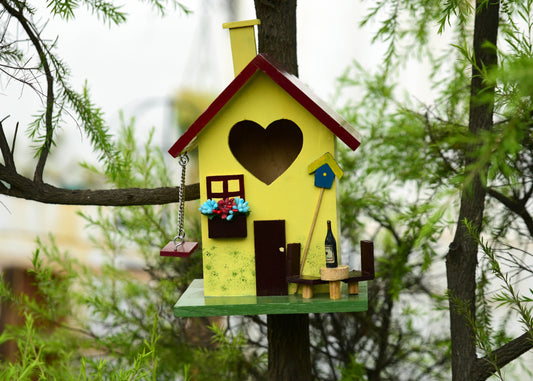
[255,144]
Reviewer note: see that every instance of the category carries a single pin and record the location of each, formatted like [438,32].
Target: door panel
[270,262]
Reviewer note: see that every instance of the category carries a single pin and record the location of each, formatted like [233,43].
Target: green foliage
[354,370]
[116,323]
[105,10]
[230,353]
[41,69]
[52,342]
[402,186]
[401,189]
[102,9]
[510,296]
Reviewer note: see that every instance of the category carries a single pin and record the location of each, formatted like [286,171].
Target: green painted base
[193,303]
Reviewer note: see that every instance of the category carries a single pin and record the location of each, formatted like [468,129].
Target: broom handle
[306,249]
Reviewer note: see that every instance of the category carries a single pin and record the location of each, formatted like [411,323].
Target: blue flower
[241,205]
[225,209]
[208,206]
[230,215]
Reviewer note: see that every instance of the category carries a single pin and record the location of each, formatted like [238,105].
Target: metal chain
[180,238]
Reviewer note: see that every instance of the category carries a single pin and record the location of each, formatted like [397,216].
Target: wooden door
[270,263]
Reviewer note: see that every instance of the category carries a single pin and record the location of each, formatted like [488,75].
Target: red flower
[224,206]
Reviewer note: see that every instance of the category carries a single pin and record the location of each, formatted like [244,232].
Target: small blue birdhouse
[324,176]
[325,169]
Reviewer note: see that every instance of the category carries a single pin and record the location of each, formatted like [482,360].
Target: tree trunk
[277,32]
[461,261]
[288,347]
[288,335]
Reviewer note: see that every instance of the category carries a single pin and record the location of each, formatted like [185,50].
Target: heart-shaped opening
[266,153]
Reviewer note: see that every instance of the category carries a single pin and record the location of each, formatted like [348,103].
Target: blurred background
[162,72]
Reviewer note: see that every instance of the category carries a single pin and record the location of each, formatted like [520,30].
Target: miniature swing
[178,247]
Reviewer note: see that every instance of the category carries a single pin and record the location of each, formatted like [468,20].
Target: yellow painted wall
[229,264]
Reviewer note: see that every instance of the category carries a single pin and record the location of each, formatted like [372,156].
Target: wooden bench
[353,279]
[367,268]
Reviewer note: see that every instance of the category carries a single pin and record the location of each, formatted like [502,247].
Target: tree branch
[502,356]
[7,153]
[437,146]
[22,187]
[50,99]
[516,207]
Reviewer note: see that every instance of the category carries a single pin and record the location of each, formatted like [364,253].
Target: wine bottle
[331,248]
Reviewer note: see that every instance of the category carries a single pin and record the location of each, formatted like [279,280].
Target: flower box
[226,217]
[222,228]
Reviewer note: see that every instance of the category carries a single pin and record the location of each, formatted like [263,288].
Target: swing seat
[184,250]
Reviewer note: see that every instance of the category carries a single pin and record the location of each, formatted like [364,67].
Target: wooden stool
[334,275]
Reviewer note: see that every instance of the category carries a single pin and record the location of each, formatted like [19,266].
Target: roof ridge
[290,84]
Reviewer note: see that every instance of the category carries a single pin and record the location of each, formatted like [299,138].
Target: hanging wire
[180,238]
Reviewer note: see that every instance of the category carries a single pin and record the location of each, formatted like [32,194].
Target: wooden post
[353,288]
[335,289]
[307,291]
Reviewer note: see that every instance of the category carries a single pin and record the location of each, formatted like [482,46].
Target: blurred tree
[118,321]
[107,324]
[40,68]
[423,166]
[465,158]
[190,105]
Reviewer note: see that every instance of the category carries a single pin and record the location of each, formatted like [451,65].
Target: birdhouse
[259,144]
[325,169]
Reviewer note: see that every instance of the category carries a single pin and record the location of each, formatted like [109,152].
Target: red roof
[292,85]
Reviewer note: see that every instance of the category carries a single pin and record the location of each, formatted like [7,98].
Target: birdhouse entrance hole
[266,153]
